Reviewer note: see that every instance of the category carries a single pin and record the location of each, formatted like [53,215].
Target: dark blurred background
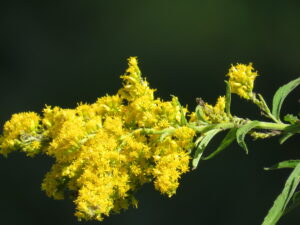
[64,52]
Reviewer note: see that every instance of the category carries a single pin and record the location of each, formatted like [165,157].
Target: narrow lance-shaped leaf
[289,132]
[284,164]
[166,133]
[242,131]
[228,98]
[183,120]
[200,114]
[290,118]
[284,137]
[228,139]
[281,94]
[265,109]
[202,145]
[294,128]
[283,199]
[294,204]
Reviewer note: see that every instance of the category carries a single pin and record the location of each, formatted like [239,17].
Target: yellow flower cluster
[210,114]
[22,132]
[172,158]
[106,150]
[216,114]
[241,80]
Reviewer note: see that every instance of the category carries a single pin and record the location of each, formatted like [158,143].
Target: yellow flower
[241,79]
[216,114]
[102,154]
[53,183]
[134,85]
[168,171]
[220,105]
[21,132]
[108,105]
[172,159]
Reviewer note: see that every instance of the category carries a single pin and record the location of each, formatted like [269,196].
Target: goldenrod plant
[104,152]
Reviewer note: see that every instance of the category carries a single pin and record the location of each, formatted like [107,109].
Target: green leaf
[200,114]
[284,137]
[264,105]
[183,120]
[281,94]
[227,98]
[284,164]
[289,132]
[228,139]
[291,118]
[166,132]
[242,131]
[294,204]
[294,128]
[202,145]
[283,199]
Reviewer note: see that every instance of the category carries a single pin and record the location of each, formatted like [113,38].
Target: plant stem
[229,125]
[203,129]
[271,126]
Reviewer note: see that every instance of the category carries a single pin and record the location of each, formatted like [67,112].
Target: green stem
[271,126]
[261,103]
[225,126]
[203,129]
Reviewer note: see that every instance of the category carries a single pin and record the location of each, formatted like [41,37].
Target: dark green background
[64,52]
